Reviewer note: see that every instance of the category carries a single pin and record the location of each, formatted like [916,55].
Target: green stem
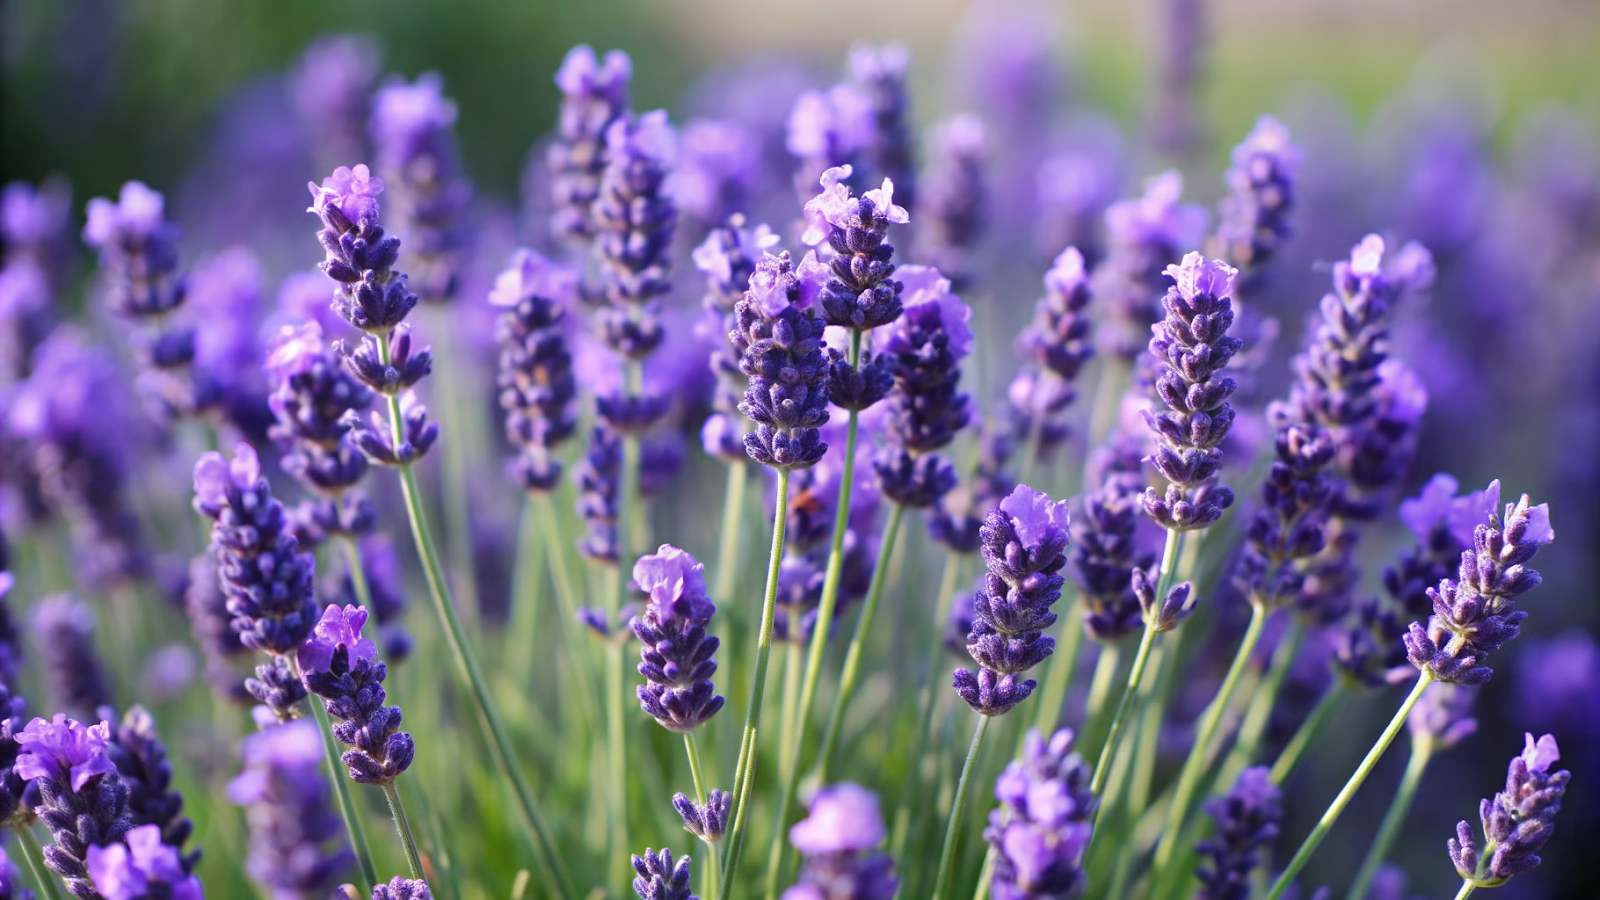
[555,549]
[1308,731]
[858,642]
[1105,674]
[402,825]
[728,549]
[1336,808]
[1108,751]
[49,885]
[341,787]
[695,770]
[467,669]
[744,777]
[1421,752]
[616,694]
[1253,730]
[1199,754]
[1467,887]
[952,831]
[455,469]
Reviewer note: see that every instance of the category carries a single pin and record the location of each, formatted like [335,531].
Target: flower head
[532,274]
[844,817]
[141,867]
[352,191]
[137,214]
[676,584]
[64,750]
[339,627]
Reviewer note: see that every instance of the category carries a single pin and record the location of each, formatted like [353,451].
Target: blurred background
[1470,125]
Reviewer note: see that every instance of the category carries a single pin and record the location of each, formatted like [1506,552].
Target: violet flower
[1042,826]
[1024,544]
[835,842]
[728,258]
[1253,220]
[385,592]
[952,206]
[598,477]
[205,604]
[659,878]
[402,889]
[594,96]
[1105,553]
[141,867]
[1289,528]
[708,822]
[296,837]
[413,137]
[74,675]
[779,341]
[342,667]
[880,73]
[1057,342]
[678,653]
[16,807]
[81,799]
[1517,822]
[859,292]
[535,381]
[1191,347]
[827,130]
[1246,822]
[331,87]
[1144,236]
[141,760]
[1476,614]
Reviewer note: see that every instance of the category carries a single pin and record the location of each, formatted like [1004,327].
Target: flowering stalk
[1516,823]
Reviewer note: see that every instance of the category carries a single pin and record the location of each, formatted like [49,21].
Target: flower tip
[1540,755]
[1366,258]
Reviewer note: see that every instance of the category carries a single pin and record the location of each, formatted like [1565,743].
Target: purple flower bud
[1043,823]
[678,653]
[141,867]
[709,822]
[1246,821]
[659,879]
[64,750]
[80,798]
[296,837]
[835,840]
[342,668]
[1517,822]
[402,889]
[537,388]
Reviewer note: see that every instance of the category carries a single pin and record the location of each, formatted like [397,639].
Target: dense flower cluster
[81,799]
[537,388]
[728,258]
[835,842]
[1058,342]
[659,878]
[296,838]
[594,95]
[677,654]
[1042,825]
[1024,545]
[342,667]
[1246,822]
[951,208]
[1106,551]
[141,760]
[860,291]
[1517,822]
[1253,220]
[779,341]
[141,866]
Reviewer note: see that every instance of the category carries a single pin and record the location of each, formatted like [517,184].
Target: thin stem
[628,507]
[695,770]
[1467,887]
[455,468]
[745,776]
[1199,754]
[1336,808]
[341,786]
[1308,731]
[48,884]
[402,824]
[1061,667]
[1108,751]
[1421,752]
[358,572]
[1259,714]
[858,641]
[947,856]
[728,549]
[555,549]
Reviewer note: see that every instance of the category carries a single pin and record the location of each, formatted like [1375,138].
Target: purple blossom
[677,657]
[1253,219]
[64,750]
[338,627]
[595,95]
[342,667]
[1246,821]
[32,218]
[1517,822]
[779,342]
[137,214]
[353,191]
[929,306]
[296,837]
[1043,823]
[402,889]
[658,878]
[531,274]
[1144,236]
[142,866]
[844,818]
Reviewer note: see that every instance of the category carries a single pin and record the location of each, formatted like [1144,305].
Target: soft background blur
[189,96]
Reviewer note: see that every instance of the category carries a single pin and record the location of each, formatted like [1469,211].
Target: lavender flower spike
[537,389]
[779,341]
[1024,543]
[835,841]
[1042,825]
[296,846]
[1246,820]
[81,799]
[677,654]
[402,889]
[952,211]
[594,95]
[1476,614]
[859,292]
[1191,346]
[1253,220]
[360,257]
[75,677]
[343,668]
[141,760]
[1144,235]
[658,878]
[1517,822]
[413,135]
[141,868]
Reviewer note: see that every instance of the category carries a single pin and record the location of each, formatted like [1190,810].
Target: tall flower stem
[1336,808]
[1141,659]
[1105,674]
[1308,731]
[825,607]
[1467,887]
[728,548]
[1421,753]
[467,665]
[947,856]
[851,673]
[402,825]
[744,776]
[341,789]
[1259,715]
[696,770]
[49,886]
[1199,754]
[616,693]
[455,468]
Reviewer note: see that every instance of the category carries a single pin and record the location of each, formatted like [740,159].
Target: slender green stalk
[555,549]
[1199,754]
[341,787]
[1467,887]
[1421,752]
[49,885]
[744,777]
[1308,731]
[1258,714]
[728,549]
[788,752]
[952,831]
[985,876]
[1061,667]
[1108,751]
[467,664]
[851,673]
[402,825]
[1336,808]
[710,871]
[825,608]
[615,693]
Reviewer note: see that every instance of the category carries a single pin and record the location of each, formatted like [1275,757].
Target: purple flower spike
[860,292]
[594,95]
[779,342]
[296,836]
[64,750]
[1024,542]
[677,656]
[835,841]
[1517,822]
[658,878]
[402,889]
[342,668]
[1043,822]
[709,822]
[1253,220]
[1144,236]
[952,205]
[1476,614]
[1191,347]
[140,868]
[537,387]
[81,799]
[360,257]
[337,626]
[1246,820]
[413,136]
